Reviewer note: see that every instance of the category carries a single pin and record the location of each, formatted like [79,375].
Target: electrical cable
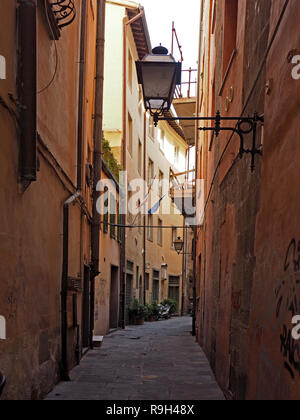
[56,54]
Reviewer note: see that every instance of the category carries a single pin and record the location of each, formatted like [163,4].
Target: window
[151,129]
[130,66]
[140,157]
[150,171]
[105,217]
[130,134]
[113,210]
[137,277]
[130,266]
[155,288]
[119,229]
[161,184]
[176,155]
[150,227]
[162,140]
[160,232]
[230,31]
[140,102]
[147,285]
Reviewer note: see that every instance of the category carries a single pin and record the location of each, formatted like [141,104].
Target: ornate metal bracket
[244,126]
[57,15]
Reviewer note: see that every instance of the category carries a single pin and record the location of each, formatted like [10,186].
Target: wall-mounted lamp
[159,73]
[164,271]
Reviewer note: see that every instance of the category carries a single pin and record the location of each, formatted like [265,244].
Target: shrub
[137,310]
[172,304]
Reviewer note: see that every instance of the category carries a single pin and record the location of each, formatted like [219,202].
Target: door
[86,307]
[174,288]
[114,298]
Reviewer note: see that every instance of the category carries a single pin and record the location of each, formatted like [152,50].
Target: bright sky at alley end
[186,15]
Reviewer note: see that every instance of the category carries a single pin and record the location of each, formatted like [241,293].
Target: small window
[176,155]
[150,228]
[160,232]
[130,266]
[230,31]
[140,157]
[137,277]
[119,230]
[151,129]
[161,184]
[150,171]
[162,140]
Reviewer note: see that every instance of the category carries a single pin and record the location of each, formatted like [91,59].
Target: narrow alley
[157,361]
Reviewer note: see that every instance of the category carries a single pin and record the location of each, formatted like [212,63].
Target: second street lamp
[178,245]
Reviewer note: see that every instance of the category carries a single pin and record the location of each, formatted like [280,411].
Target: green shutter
[105,217]
[112,216]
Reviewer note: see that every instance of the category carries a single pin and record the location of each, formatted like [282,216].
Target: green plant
[109,159]
[172,304]
[155,309]
[138,310]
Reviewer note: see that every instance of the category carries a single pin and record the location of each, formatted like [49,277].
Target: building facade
[247,248]
[147,154]
[47,102]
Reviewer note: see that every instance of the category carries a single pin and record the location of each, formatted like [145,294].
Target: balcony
[185,103]
[183,193]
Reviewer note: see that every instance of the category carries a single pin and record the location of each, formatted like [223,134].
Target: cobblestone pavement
[157,361]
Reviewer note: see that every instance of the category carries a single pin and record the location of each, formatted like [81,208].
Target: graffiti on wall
[288,307]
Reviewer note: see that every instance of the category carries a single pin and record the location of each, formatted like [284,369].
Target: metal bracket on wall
[244,126]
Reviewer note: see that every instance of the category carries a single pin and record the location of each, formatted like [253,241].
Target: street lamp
[164,271]
[158,73]
[178,245]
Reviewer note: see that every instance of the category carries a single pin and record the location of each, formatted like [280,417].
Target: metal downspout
[98,134]
[80,95]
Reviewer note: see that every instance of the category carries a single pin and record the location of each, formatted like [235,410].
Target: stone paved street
[157,361]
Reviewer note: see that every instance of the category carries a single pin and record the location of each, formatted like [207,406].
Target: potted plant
[138,312]
[155,310]
[149,316]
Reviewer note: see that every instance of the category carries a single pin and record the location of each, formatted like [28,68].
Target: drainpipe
[80,95]
[64,289]
[196,177]
[27,87]
[145,192]
[126,24]
[98,134]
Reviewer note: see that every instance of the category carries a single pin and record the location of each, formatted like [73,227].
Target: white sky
[186,15]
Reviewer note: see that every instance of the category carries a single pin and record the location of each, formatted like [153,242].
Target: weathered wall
[274,371]
[229,231]
[31,222]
